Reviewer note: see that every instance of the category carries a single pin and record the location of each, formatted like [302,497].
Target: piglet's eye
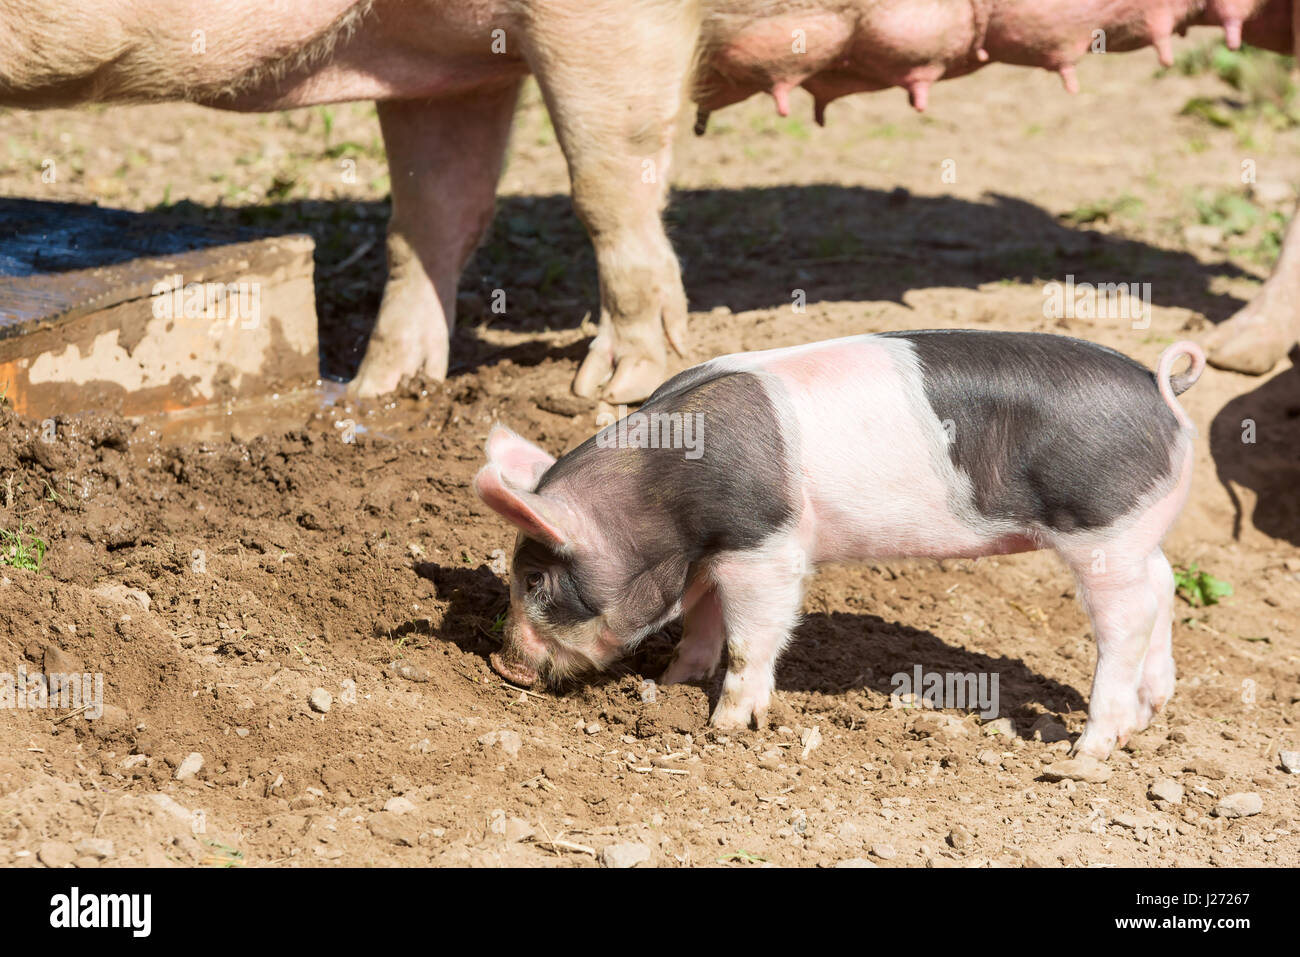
[533,580]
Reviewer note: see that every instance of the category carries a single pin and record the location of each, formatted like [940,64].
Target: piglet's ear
[522,464]
[529,512]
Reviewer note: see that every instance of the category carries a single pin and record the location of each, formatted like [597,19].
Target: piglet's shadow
[833,653]
[841,651]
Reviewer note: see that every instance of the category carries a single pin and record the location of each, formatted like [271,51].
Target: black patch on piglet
[659,511]
[1051,430]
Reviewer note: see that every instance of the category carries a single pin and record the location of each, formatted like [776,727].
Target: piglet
[715,500]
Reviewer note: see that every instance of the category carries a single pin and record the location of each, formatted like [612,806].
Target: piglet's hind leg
[1119,596]
[760,592]
[1157,685]
[697,655]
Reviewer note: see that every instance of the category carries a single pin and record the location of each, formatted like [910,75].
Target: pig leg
[614,93]
[1264,330]
[444,157]
[697,655]
[1157,685]
[1120,599]
[761,593]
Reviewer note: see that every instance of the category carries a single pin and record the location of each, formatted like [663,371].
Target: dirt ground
[219,570]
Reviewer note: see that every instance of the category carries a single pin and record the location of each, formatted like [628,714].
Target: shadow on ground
[1255,441]
[830,654]
[740,248]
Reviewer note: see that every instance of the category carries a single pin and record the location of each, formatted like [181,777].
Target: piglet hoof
[1094,744]
[732,714]
[736,721]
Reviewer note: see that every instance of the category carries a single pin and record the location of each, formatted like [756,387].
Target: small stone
[959,839]
[517,829]
[241,732]
[1206,769]
[410,671]
[191,766]
[886,852]
[1290,761]
[59,662]
[1086,769]
[856,862]
[1048,729]
[936,723]
[1002,727]
[116,591]
[989,758]
[649,691]
[392,828]
[811,739]
[1242,804]
[320,700]
[100,847]
[624,855]
[168,806]
[592,728]
[508,741]
[1166,789]
[56,854]
[398,805]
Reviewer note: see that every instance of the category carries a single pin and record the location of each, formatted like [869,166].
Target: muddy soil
[222,571]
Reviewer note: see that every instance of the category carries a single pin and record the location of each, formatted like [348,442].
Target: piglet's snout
[520,654]
[512,668]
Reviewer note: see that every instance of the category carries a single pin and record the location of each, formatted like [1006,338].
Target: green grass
[1266,94]
[1230,211]
[1236,215]
[222,856]
[745,857]
[1200,588]
[17,553]
[1104,210]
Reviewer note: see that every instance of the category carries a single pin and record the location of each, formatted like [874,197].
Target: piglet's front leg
[760,592]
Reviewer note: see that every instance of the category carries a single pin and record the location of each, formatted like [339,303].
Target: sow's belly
[877,480]
[248,55]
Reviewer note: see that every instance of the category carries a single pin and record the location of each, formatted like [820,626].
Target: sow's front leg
[614,76]
[1264,330]
[444,158]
